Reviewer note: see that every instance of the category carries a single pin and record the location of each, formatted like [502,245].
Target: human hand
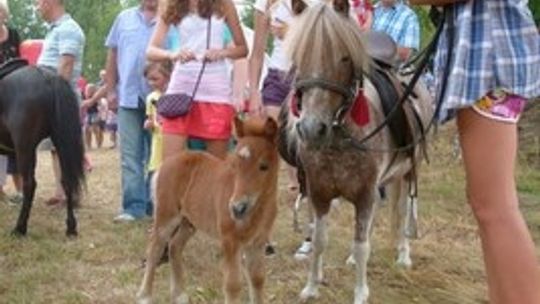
[87,103]
[214,55]
[255,105]
[148,124]
[183,56]
[112,101]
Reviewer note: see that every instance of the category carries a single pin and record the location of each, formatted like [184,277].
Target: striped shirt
[496,45]
[400,22]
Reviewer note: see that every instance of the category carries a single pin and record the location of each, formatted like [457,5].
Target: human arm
[111,80]
[156,52]
[239,48]
[409,39]
[256,60]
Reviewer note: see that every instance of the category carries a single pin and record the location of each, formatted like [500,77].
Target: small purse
[176,105]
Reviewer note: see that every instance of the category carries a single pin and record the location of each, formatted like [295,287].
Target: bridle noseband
[348,93]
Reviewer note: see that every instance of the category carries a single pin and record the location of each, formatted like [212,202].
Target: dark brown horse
[339,156]
[36,103]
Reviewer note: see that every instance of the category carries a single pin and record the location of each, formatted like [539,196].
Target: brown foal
[233,200]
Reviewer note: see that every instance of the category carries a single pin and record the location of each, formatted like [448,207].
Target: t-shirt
[65,37]
[157,137]
[280,13]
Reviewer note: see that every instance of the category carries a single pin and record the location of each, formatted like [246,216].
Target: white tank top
[215,84]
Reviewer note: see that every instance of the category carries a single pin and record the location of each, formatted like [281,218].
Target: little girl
[210,117]
[157,74]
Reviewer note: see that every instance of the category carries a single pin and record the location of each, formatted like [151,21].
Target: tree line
[97,16]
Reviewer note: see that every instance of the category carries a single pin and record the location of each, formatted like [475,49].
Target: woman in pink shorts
[210,117]
[487,66]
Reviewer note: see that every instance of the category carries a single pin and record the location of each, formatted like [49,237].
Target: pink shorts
[205,120]
[501,106]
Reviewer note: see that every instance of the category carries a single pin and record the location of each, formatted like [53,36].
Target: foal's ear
[342,7]
[271,129]
[238,127]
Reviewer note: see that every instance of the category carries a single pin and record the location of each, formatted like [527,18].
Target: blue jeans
[134,153]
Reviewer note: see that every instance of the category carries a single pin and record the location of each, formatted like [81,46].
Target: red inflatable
[30,50]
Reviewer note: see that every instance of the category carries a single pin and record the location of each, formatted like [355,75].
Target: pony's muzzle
[312,130]
[239,209]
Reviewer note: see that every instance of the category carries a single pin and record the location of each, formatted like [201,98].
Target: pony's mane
[315,36]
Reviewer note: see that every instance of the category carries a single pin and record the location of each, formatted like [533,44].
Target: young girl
[211,114]
[157,74]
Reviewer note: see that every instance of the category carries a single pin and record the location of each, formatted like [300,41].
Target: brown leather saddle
[11,66]
[405,123]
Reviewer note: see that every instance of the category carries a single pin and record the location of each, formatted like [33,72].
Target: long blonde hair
[322,34]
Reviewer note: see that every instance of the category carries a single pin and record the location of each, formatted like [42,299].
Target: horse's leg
[232,270]
[176,247]
[364,209]
[255,271]
[161,233]
[315,276]
[26,159]
[400,220]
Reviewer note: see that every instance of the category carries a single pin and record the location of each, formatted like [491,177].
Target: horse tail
[66,135]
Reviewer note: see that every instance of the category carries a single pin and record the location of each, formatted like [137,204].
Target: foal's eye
[263,167]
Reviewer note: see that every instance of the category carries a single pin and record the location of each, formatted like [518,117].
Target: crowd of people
[154,52]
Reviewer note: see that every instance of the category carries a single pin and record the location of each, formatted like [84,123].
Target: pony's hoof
[144,300]
[350,261]
[361,295]
[309,292]
[404,261]
[72,234]
[18,232]
[182,299]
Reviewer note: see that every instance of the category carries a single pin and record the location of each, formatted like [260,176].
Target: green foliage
[248,14]
[535,8]
[26,19]
[96,18]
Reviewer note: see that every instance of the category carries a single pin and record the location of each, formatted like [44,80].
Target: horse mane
[318,32]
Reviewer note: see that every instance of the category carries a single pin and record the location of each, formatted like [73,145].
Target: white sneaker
[304,251]
[124,217]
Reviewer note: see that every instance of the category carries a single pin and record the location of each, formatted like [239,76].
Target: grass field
[103,264]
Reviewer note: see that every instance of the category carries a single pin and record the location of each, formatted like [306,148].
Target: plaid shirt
[398,21]
[496,45]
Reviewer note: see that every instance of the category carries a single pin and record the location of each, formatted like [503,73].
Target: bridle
[350,92]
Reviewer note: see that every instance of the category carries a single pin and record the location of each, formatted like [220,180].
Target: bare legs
[489,152]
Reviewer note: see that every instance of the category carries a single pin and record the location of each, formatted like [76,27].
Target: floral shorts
[501,106]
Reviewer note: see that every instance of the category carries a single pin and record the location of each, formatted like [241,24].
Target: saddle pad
[12,65]
[399,125]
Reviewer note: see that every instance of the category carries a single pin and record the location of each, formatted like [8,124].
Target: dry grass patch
[103,264]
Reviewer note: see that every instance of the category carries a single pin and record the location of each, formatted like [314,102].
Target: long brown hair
[175,10]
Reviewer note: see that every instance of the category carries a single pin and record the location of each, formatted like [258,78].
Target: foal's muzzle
[239,209]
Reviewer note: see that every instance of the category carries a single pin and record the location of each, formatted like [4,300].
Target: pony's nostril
[321,130]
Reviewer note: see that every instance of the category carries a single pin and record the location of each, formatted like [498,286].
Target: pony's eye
[298,100]
[263,167]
